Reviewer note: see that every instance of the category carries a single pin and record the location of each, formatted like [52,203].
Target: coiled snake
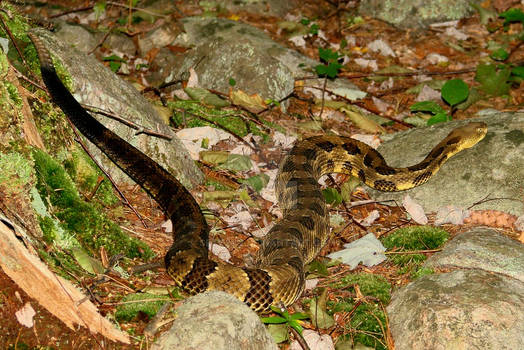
[294,240]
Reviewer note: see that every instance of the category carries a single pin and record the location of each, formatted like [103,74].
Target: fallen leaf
[193,78]
[220,251]
[25,315]
[318,312]
[205,97]
[362,121]
[88,263]
[315,341]
[253,103]
[415,210]
[370,219]
[451,214]
[368,250]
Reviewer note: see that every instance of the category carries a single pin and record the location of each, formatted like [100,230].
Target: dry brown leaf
[253,103]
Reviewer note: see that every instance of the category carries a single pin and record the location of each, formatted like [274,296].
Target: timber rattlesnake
[294,240]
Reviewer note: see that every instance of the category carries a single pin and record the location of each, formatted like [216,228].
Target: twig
[104,38]
[78,9]
[11,37]
[300,339]
[32,82]
[132,8]
[486,199]
[361,106]
[140,129]
[409,252]
[225,128]
[155,322]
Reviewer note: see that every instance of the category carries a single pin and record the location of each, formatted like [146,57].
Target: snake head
[469,134]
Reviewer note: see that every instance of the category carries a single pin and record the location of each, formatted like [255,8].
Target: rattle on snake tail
[293,241]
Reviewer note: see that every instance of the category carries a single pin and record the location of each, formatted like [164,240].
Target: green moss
[81,219]
[4,65]
[61,262]
[413,238]
[48,228]
[230,120]
[368,320]
[369,284]
[139,303]
[13,94]
[16,172]
[422,272]
[85,173]
[51,123]
[416,238]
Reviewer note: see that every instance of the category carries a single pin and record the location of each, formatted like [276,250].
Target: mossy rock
[140,303]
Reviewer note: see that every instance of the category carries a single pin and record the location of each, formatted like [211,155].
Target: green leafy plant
[493,79]
[453,92]
[332,196]
[312,26]
[115,62]
[331,66]
[512,15]
[292,321]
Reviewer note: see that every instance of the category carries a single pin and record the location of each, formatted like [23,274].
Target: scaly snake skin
[294,240]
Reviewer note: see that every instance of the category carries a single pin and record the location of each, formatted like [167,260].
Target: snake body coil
[294,240]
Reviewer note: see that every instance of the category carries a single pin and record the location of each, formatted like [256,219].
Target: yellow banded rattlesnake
[294,240]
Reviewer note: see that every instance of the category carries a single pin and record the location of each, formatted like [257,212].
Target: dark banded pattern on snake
[293,241]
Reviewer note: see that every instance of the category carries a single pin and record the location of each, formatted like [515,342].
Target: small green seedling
[292,321]
[115,62]
[331,66]
[453,92]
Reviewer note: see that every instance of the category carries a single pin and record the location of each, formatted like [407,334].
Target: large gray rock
[97,86]
[463,309]
[492,168]
[485,249]
[215,321]
[221,49]
[406,14]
